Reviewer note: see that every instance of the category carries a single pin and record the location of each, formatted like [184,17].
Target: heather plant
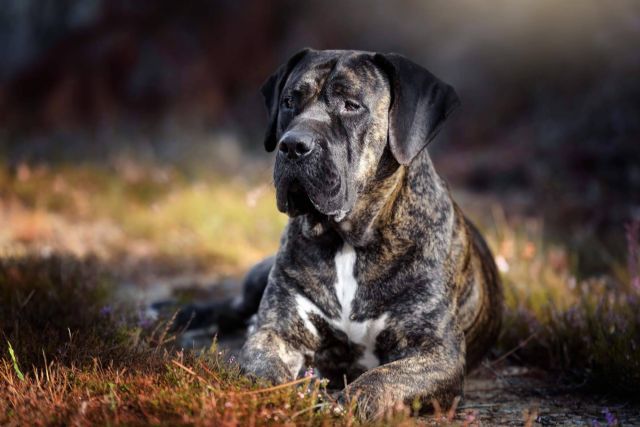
[590,329]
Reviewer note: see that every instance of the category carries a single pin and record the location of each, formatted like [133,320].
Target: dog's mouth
[296,201]
[309,194]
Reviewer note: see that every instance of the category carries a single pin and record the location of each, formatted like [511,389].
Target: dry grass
[86,359]
[135,212]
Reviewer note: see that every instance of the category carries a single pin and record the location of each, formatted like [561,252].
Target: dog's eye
[287,102]
[351,106]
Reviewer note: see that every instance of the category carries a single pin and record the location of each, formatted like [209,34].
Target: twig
[311,408]
[480,405]
[452,411]
[189,370]
[209,371]
[192,372]
[27,299]
[516,348]
[278,387]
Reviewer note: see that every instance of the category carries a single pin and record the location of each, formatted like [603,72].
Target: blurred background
[161,94]
[132,171]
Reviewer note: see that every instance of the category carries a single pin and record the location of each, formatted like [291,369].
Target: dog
[380,281]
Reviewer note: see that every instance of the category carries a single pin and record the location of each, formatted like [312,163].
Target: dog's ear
[420,103]
[271,90]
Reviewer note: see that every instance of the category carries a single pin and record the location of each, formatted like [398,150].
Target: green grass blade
[15,362]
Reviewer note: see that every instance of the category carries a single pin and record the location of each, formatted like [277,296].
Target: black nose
[296,145]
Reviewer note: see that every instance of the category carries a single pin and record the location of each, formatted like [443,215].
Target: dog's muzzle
[306,179]
[294,148]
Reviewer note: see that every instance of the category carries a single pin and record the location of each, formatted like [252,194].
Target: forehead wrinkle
[370,72]
[340,86]
[373,74]
[304,86]
[310,75]
[341,82]
[357,73]
[343,70]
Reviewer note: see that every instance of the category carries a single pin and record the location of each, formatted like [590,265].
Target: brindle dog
[380,279]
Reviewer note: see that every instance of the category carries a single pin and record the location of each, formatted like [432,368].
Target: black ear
[420,103]
[271,90]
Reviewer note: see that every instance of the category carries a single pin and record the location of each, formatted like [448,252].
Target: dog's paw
[268,370]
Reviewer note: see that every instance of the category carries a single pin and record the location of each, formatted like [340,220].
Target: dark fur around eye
[287,102]
[351,106]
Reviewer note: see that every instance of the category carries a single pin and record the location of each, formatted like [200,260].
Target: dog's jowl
[380,280]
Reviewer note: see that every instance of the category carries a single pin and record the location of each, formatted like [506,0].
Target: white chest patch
[363,333]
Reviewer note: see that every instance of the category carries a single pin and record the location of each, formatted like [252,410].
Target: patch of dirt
[513,394]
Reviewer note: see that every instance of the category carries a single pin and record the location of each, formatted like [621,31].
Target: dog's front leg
[267,355]
[435,373]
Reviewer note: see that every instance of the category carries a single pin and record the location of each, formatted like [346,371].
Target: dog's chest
[363,333]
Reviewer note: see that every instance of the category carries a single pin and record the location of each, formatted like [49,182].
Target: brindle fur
[418,259]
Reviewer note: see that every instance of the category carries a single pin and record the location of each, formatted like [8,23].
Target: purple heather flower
[145,321]
[610,417]
[106,310]
[633,243]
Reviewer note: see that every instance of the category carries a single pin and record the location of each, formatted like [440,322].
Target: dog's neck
[381,207]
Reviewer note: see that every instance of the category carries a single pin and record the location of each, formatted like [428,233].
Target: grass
[586,329]
[14,361]
[70,353]
[208,224]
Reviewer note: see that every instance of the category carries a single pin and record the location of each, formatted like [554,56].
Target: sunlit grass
[218,223]
[227,221]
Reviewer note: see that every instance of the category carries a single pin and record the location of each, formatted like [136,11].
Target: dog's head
[333,113]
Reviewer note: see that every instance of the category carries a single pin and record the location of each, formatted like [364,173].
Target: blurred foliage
[587,329]
[52,308]
[549,92]
[213,223]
